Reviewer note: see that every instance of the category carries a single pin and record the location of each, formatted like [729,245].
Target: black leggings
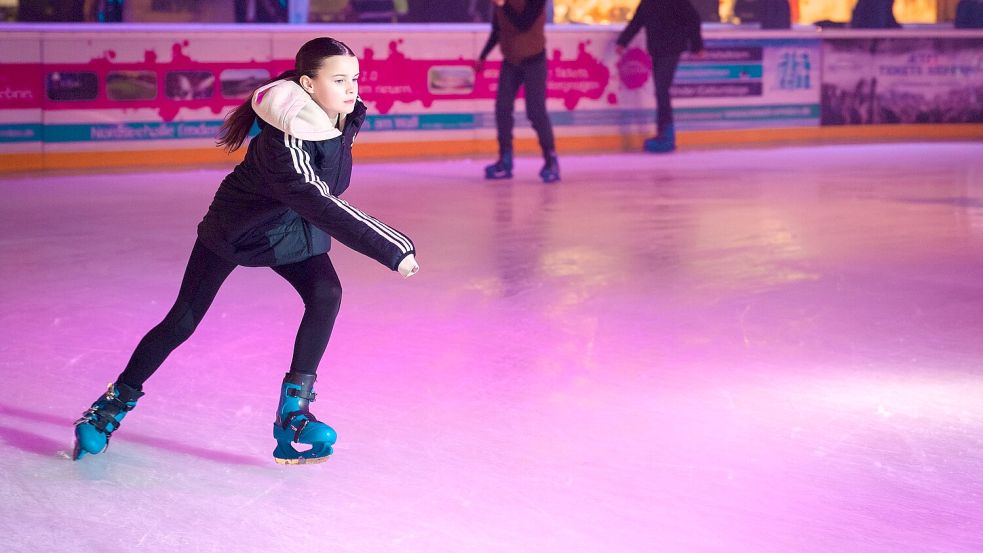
[663,72]
[530,73]
[314,278]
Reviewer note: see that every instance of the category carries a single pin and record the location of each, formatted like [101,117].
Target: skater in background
[671,27]
[519,26]
[874,14]
[261,11]
[104,11]
[275,209]
[775,14]
[969,14]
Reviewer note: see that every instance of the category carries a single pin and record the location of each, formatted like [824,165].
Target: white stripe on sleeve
[301,161]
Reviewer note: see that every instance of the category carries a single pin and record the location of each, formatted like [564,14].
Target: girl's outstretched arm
[295,183]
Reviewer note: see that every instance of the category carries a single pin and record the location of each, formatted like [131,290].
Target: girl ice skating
[276,209]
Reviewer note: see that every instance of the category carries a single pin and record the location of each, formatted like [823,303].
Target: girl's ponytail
[239,121]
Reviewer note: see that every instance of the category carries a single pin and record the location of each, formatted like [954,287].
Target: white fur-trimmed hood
[288,107]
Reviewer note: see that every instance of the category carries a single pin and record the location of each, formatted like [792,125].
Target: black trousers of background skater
[663,72]
[530,72]
[314,278]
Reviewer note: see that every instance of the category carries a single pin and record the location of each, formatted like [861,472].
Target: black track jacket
[281,203]
[671,27]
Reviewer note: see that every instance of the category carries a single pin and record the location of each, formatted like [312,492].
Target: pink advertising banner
[154,89]
[21,94]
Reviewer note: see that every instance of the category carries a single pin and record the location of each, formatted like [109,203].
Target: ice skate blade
[77,451]
[300,461]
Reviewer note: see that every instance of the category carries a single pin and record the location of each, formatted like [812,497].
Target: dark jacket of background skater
[671,28]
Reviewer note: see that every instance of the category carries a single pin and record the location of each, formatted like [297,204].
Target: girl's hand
[498,3]
[408,266]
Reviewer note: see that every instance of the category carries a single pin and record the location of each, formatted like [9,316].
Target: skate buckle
[296,392]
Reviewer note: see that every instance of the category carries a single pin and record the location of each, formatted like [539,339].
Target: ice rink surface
[775,350]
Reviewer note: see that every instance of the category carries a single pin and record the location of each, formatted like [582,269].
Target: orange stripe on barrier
[10,163]
[139,158]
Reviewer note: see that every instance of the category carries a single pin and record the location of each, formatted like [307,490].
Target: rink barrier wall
[527,146]
[77,96]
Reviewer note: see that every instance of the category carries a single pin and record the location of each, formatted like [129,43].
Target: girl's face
[335,86]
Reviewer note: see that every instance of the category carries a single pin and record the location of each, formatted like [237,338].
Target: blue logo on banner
[794,70]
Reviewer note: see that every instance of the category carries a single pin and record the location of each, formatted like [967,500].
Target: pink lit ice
[760,350]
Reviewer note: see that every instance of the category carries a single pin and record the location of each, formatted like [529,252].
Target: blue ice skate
[93,430]
[551,168]
[501,169]
[662,143]
[295,423]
